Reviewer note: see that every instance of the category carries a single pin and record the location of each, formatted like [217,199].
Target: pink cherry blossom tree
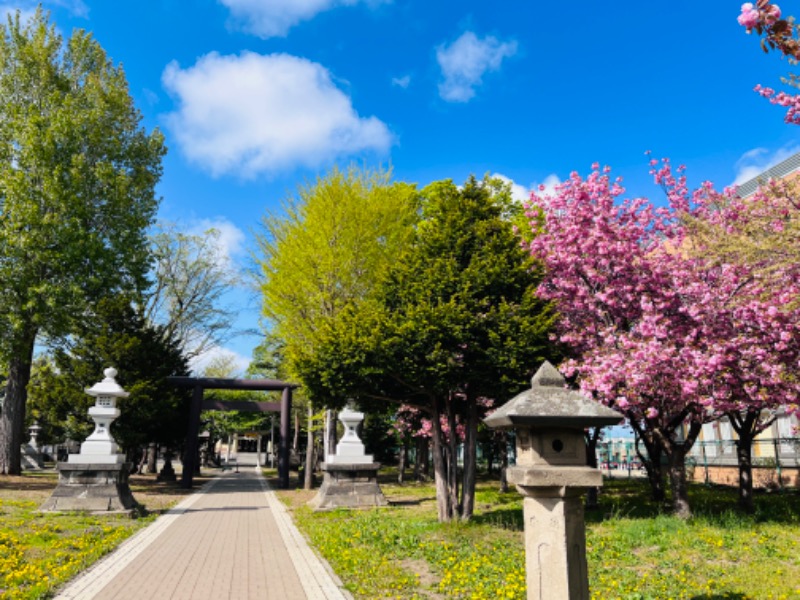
[752,318]
[658,329]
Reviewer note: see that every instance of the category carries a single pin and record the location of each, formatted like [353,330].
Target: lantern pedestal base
[349,486]
[91,487]
[555,544]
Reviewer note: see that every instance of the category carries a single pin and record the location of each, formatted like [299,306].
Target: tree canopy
[453,324]
[77,179]
[327,250]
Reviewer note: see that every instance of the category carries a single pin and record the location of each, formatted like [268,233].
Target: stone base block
[31,459]
[91,488]
[349,486]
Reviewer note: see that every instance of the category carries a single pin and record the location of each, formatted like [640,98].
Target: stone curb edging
[317,578]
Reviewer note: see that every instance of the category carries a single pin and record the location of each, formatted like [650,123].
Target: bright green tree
[328,249]
[77,178]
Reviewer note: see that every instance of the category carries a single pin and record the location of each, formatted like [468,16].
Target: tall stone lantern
[96,479]
[100,447]
[552,474]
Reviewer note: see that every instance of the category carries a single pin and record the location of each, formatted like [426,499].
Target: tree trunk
[651,461]
[152,458]
[470,461]
[296,438]
[677,482]
[401,467]
[744,446]
[504,462]
[330,432]
[592,437]
[747,427]
[676,452]
[12,416]
[308,482]
[422,463]
[452,458]
[444,508]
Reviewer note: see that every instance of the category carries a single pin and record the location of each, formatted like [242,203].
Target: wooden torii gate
[199,384]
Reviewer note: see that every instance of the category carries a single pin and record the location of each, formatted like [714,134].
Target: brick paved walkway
[231,539]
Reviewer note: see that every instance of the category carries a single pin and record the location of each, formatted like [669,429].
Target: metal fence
[772,459]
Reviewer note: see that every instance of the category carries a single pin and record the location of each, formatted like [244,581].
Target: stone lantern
[100,447]
[351,476]
[551,473]
[31,457]
[96,479]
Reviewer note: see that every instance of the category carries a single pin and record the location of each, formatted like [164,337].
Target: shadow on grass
[716,504]
[504,518]
[630,499]
[44,481]
[726,596]
[410,502]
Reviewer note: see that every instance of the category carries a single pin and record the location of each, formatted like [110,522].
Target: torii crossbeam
[199,384]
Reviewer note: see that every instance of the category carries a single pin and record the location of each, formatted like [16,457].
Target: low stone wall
[763,477]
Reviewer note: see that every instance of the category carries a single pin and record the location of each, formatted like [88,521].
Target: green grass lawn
[635,549]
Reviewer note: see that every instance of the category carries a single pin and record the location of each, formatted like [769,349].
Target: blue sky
[256,97]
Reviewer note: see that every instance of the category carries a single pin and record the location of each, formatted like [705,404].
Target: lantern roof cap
[549,403]
[108,387]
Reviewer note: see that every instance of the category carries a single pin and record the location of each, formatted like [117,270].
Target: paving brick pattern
[232,539]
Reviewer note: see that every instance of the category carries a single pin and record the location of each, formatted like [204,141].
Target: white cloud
[754,162]
[25,11]
[402,82]
[28,7]
[519,192]
[271,18]
[465,61]
[217,355]
[76,7]
[254,114]
[231,238]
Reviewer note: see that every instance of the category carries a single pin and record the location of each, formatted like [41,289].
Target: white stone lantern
[100,447]
[552,475]
[350,450]
[34,431]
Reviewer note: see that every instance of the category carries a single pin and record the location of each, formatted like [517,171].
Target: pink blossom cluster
[657,328]
[412,422]
[790,101]
[752,16]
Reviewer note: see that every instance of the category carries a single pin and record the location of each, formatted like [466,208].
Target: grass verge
[636,550]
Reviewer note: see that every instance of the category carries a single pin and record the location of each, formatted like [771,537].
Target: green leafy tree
[454,325]
[77,178]
[324,253]
[144,355]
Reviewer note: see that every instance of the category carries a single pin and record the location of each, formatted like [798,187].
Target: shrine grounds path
[231,539]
